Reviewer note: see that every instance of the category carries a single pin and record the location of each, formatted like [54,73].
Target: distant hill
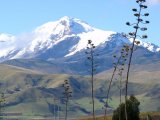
[32,92]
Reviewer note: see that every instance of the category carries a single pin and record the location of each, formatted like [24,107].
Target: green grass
[26,99]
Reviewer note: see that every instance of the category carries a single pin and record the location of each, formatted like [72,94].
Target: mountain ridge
[67,34]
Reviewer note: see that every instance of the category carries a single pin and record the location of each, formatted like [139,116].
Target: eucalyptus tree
[139,14]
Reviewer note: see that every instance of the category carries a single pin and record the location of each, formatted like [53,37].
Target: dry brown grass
[97,118]
[143,116]
[154,115]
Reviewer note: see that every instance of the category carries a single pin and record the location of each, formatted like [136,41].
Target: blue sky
[21,16]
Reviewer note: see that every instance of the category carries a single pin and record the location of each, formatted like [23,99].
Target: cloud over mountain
[153,2]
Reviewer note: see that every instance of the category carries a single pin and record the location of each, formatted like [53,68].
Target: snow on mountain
[97,36]
[150,46]
[52,33]
[65,37]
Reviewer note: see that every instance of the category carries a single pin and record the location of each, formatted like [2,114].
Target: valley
[32,75]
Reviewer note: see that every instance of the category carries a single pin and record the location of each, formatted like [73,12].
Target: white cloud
[153,2]
[23,40]
[6,41]
[10,43]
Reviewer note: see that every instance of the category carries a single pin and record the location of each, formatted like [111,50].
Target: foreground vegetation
[143,116]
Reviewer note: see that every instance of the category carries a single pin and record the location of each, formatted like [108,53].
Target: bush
[132,110]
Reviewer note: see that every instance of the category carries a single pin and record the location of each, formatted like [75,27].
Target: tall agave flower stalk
[120,74]
[138,13]
[67,95]
[2,105]
[120,61]
[91,55]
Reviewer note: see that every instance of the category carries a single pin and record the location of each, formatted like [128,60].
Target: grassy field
[143,116]
[32,92]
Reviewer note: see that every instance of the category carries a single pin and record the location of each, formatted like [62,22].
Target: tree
[139,15]
[67,95]
[91,58]
[132,110]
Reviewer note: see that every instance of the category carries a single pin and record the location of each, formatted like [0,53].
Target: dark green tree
[132,110]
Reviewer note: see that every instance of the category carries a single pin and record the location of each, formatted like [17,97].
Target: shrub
[132,110]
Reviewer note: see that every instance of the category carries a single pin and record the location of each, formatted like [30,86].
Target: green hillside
[31,92]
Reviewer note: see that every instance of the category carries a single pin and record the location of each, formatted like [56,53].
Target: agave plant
[133,35]
[67,94]
[119,62]
[91,55]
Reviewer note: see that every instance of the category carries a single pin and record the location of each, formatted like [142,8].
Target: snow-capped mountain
[62,38]
[69,34]
[150,46]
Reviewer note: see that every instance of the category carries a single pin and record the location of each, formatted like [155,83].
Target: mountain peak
[66,18]
[74,25]
[62,38]
[64,26]
[66,21]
